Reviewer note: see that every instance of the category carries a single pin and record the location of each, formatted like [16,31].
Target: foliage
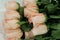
[51,8]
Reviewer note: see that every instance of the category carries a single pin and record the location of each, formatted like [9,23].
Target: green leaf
[45,1]
[21,10]
[56,34]
[55,16]
[39,38]
[51,7]
[21,23]
[41,10]
[26,27]
[39,3]
[56,26]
